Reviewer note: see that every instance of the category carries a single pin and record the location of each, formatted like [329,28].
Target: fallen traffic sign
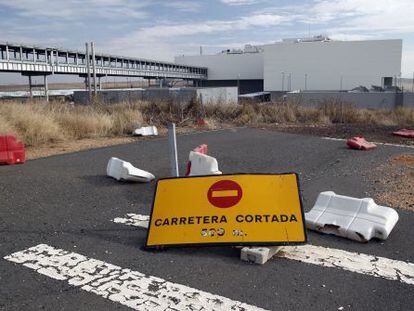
[242,209]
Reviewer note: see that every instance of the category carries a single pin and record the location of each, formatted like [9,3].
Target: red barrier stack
[359,142]
[200,149]
[11,150]
[405,133]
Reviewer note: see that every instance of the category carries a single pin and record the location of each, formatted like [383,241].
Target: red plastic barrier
[405,133]
[359,142]
[200,149]
[11,150]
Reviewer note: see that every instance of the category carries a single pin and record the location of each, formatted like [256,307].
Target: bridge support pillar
[30,87]
[46,86]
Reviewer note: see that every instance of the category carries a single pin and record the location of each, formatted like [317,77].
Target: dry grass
[327,113]
[34,124]
[40,123]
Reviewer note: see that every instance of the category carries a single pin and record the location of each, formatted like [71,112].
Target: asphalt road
[67,202]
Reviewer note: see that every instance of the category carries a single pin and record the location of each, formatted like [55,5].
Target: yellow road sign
[263,209]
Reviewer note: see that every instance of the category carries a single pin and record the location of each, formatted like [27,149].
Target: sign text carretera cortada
[227,209]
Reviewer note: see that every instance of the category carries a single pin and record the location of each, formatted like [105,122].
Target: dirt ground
[92,143]
[395,180]
[78,145]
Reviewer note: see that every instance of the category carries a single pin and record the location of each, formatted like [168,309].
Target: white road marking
[377,143]
[355,262]
[328,257]
[135,220]
[130,288]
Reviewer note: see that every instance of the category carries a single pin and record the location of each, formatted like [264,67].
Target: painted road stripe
[377,143]
[355,262]
[130,288]
[329,257]
[135,220]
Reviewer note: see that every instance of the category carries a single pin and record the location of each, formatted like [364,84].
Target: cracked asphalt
[67,202]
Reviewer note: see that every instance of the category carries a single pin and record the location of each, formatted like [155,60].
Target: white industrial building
[316,63]
[243,68]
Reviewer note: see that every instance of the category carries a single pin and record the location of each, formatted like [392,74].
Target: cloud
[240,2]
[187,29]
[355,16]
[163,41]
[184,6]
[76,9]
[368,15]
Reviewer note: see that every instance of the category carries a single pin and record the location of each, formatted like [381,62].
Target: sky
[161,29]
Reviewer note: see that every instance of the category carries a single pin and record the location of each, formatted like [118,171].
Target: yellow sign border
[215,244]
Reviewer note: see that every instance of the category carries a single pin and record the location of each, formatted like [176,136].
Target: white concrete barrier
[356,219]
[122,170]
[146,131]
[202,164]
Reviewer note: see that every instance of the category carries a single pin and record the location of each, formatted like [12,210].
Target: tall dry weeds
[45,123]
[34,124]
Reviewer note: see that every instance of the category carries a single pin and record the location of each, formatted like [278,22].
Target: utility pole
[306,81]
[94,68]
[46,87]
[290,82]
[30,87]
[88,72]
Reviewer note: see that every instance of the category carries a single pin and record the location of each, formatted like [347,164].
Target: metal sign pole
[172,142]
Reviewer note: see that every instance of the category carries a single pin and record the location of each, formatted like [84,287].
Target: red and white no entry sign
[224,194]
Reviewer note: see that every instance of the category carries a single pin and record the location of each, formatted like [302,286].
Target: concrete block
[146,131]
[352,218]
[202,164]
[258,255]
[122,170]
